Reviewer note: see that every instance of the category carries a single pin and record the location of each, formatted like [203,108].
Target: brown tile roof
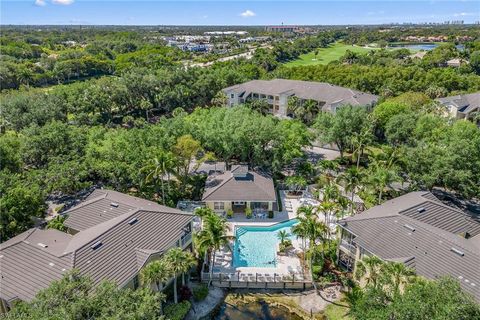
[102,205]
[255,186]
[318,91]
[396,230]
[114,249]
[464,102]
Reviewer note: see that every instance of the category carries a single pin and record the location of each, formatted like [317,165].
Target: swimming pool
[256,246]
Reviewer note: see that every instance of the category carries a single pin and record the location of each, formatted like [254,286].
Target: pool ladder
[241,232]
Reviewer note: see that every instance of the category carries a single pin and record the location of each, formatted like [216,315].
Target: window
[270,97]
[276,98]
[135,282]
[232,96]
[218,205]
[238,203]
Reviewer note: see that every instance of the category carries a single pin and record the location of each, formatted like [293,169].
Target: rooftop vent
[465,235]
[96,245]
[51,264]
[133,221]
[409,227]
[114,204]
[421,209]
[456,251]
[43,245]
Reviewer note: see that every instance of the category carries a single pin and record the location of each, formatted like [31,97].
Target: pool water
[256,246]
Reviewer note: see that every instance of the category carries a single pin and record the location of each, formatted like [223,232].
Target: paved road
[247,55]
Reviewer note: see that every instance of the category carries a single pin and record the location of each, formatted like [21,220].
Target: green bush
[270,214]
[317,271]
[200,292]
[248,213]
[229,213]
[177,311]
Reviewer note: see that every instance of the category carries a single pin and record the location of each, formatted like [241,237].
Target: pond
[259,310]
[418,46]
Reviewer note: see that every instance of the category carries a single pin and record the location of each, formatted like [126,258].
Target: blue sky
[229,12]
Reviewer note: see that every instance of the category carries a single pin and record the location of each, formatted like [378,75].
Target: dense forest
[110,107]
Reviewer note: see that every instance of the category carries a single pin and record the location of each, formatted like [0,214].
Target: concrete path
[204,308]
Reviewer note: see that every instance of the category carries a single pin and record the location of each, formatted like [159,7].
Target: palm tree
[329,209]
[311,229]
[305,110]
[370,269]
[352,179]
[188,262]
[260,105]
[328,169]
[361,140]
[179,261]
[382,177]
[213,236]
[158,167]
[397,274]
[155,274]
[282,235]
[300,231]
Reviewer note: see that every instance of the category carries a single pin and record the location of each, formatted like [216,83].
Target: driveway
[315,154]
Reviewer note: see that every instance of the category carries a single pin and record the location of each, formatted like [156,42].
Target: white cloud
[463,14]
[40,3]
[63,2]
[248,14]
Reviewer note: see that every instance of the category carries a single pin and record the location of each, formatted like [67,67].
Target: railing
[190,206]
[350,247]
[257,280]
[185,239]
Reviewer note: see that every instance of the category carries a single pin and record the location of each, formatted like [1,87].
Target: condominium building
[278,92]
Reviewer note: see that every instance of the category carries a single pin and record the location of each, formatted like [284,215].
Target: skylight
[456,251]
[96,245]
[114,204]
[43,245]
[133,221]
[409,227]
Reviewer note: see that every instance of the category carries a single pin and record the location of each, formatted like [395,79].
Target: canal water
[258,310]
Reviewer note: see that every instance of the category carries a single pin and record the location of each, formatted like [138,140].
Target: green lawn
[325,55]
[336,311]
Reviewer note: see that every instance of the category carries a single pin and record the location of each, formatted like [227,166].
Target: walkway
[204,308]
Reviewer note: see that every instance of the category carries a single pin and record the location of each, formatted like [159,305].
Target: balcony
[186,239]
[348,247]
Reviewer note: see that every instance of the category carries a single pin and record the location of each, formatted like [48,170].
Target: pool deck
[286,264]
[279,216]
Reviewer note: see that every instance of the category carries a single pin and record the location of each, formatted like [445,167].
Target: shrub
[229,213]
[177,311]
[270,214]
[200,292]
[317,271]
[248,213]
